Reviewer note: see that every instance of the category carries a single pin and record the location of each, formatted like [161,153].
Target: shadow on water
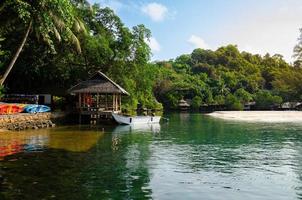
[72,163]
[192,154]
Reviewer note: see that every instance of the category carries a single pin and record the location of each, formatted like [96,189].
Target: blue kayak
[32,108]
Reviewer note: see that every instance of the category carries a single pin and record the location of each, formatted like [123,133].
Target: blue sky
[179,26]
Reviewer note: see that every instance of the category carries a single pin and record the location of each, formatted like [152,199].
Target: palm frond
[59,23]
[77,44]
[82,25]
[74,40]
[57,34]
[76,26]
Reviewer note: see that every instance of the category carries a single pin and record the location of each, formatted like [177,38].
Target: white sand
[260,116]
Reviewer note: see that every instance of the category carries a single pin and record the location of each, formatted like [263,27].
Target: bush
[196,102]
[243,95]
[59,102]
[233,103]
[219,99]
[265,100]
[172,100]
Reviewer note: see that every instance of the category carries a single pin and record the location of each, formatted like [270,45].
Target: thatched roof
[98,83]
[183,103]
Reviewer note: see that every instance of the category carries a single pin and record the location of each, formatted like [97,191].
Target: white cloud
[198,42]
[274,31]
[157,12]
[153,44]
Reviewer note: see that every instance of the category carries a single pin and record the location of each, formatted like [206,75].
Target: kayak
[10,109]
[33,108]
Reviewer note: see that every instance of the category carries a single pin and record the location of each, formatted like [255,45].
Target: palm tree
[48,19]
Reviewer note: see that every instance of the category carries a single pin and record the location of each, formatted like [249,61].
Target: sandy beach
[260,116]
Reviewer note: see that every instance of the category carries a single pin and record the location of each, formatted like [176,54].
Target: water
[190,157]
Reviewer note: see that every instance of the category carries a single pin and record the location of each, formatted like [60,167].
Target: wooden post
[84,100]
[97,100]
[106,101]
[113,102]
[117,96]
[80,101]
[120,102]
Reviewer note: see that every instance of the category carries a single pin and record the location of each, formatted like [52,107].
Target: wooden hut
[98,95]
[183,104]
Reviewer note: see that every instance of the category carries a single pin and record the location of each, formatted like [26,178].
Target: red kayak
[10,109]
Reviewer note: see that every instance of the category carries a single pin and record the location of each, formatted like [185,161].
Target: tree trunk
[11,64]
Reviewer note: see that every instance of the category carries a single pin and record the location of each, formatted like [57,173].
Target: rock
[23,121]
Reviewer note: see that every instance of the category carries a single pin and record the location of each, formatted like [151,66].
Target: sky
[180,26]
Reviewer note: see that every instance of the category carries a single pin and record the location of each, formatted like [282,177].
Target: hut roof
[183,103]
[98,83]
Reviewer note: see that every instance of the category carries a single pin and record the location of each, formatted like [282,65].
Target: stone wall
[23,121]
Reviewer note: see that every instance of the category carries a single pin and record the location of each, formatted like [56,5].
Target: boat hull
[136,120]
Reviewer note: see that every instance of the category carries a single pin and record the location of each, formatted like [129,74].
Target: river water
[192,156]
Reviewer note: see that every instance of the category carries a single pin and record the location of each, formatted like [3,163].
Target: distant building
[249,105]
[183,105]
[291,105]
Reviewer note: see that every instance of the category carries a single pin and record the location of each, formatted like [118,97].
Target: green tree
[46,18]
[196,102]
[219,100]
[298,51]
[243,96]
[233,103]
[264,99]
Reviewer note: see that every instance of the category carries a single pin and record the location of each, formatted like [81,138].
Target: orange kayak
[10,109]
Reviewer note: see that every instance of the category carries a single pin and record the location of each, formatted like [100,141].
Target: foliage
[233,103]
[196,102]
[298,51]
[243,96]
[47,65]
[52,19]
[224,76]
[264,99]
[214,75]
[2,52]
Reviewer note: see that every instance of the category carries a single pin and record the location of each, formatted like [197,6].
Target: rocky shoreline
[22,121]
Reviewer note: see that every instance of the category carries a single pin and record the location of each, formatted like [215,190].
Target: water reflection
[63,138]
[144,128]
[189,157]
[76,164]
[218,158]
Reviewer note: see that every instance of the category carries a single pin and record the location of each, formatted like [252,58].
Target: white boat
[135,120]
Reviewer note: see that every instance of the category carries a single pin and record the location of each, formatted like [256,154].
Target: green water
[190,157]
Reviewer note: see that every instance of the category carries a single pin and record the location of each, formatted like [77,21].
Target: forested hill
[228,77]
[69,40]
